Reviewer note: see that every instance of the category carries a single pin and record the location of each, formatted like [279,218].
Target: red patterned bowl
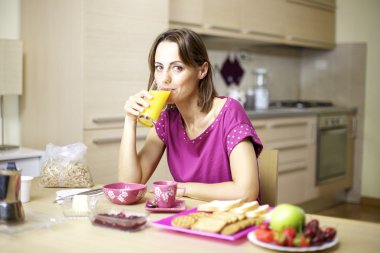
[123,193]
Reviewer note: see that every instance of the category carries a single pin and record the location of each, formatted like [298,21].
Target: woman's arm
[138,166]
[245,179]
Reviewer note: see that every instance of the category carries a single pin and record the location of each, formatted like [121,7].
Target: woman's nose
[166,77]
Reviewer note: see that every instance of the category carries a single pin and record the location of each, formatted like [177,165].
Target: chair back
[268,171]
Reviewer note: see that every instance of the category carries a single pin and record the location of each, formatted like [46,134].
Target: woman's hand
[136,104]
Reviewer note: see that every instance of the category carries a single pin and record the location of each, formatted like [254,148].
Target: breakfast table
[80,235]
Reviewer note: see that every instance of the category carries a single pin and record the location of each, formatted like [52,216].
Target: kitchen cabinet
[295,138]
[83,59]
[308,23]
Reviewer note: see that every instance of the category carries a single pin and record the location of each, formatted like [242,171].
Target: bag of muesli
[65,167]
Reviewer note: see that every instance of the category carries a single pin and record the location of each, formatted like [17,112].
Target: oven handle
[334,130]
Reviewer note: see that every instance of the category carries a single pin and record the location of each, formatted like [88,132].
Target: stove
[300,104]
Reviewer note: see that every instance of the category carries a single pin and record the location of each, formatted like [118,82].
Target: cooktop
[299,104]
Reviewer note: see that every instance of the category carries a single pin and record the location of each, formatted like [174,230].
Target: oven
[332,149]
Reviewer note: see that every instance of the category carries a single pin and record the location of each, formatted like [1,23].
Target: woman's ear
[203,70]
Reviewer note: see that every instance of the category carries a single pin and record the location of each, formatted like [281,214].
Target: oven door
[332,153]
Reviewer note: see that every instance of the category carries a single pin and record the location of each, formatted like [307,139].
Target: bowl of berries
[298,235]
[119,219]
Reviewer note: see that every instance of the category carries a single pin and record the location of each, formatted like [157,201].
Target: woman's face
[172,74]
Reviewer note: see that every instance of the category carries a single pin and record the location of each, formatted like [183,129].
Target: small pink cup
[165,193]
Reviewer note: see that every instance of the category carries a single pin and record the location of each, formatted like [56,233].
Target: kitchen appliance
[11,209]
[300,104]
[332,147]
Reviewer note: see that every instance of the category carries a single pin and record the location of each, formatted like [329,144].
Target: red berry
[264,235]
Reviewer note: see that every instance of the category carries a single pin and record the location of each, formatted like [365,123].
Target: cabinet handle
[222,28]
[107,140]
[273,125]
[354,127]
[108,120]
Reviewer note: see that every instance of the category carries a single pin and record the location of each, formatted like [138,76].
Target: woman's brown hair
[192,52]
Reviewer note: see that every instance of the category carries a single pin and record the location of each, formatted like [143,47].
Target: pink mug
[165,193]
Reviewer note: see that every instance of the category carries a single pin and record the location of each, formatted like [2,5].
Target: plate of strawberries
[312,238]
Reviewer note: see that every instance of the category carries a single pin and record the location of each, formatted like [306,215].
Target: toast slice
[219,205]
[248,206]
[258,211]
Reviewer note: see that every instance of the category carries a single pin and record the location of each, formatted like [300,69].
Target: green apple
[287,215]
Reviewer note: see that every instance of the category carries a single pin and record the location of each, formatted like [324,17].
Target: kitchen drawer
[103,154]
[291,187]
[276,130]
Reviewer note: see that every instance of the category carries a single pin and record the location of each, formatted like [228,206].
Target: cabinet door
[310,24]
[223,14]
[186,12]
[117,40]
[264,17]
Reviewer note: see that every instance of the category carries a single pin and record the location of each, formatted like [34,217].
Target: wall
[10,29]
[358,21]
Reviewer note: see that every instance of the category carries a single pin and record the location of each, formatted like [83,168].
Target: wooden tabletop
[79,235]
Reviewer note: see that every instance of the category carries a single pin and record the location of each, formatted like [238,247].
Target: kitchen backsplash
[282,63]
[295,73]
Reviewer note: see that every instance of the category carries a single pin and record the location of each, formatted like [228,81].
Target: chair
[268,171]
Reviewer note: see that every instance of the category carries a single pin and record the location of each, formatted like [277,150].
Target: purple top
[205,158]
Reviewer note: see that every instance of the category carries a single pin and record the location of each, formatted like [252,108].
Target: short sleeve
[239,133]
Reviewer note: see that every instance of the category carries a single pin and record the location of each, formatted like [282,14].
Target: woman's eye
[158,67]
[177,68]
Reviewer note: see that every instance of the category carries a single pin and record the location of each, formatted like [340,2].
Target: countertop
[293,112]
[79,235]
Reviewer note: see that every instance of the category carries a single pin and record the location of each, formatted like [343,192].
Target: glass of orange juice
[151,114]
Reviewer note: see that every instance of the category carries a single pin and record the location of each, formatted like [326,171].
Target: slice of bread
[258,211]
[248,206]
[219,205]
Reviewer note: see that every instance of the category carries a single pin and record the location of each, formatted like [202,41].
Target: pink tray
[166,223]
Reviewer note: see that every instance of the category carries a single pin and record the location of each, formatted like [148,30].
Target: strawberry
[264,235]
[290,234]
[301,240]
[279,238]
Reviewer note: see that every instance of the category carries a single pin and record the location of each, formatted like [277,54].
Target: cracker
[238,226]
[197,215]
[209,224]
[183,221]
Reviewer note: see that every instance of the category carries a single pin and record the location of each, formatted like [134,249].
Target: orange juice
[151,114]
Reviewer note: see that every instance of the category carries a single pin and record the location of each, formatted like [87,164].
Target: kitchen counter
[293,112]
[79,235]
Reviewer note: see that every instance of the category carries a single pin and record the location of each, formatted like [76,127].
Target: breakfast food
[249,206]
[258,211]
[184,221]
[209,224]
[120,220]
[224,217]
[219,205]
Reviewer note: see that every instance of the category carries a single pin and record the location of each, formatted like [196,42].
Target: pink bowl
[123,193]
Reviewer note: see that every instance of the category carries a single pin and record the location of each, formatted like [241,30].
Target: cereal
[72,175]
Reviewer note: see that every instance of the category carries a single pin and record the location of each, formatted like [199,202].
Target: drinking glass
[151,114]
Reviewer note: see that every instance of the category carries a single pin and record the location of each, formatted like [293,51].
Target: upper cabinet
[308,23]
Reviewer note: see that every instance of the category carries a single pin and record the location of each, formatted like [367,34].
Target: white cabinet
[295,138]
[83,59]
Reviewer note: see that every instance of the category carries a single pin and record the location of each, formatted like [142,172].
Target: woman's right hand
[136,104]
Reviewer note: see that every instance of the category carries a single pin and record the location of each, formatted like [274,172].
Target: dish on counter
[119,219]
[252,238]
[166,224]
[179,206]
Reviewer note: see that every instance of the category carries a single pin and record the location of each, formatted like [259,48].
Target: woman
[210,141]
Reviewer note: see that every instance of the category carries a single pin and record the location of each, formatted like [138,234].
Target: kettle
[11,209]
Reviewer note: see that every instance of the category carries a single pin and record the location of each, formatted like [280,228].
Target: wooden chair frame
[268,171]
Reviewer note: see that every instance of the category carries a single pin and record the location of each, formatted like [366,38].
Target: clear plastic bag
[65,166]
